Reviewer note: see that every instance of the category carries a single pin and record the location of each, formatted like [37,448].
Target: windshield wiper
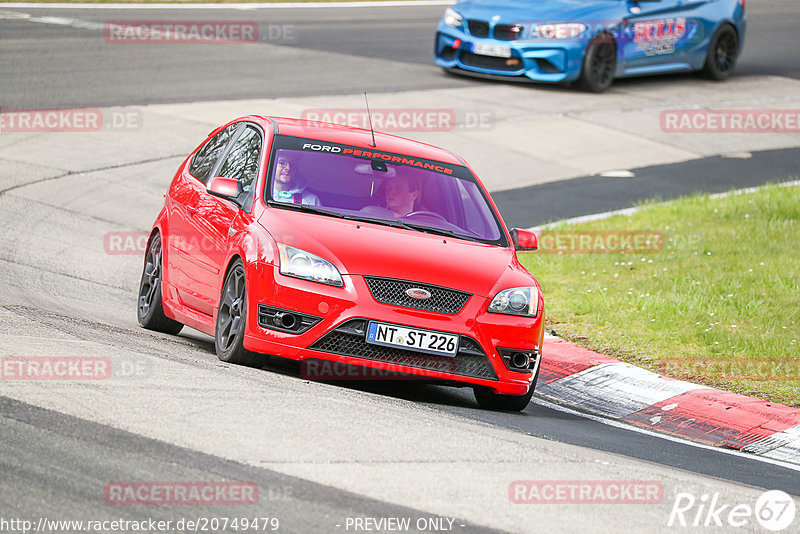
[306,207]
[438,231]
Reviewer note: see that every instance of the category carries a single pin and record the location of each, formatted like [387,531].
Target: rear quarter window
[205,158]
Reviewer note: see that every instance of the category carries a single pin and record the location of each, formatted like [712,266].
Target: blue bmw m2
[590,42]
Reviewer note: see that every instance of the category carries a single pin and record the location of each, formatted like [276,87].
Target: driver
[286,187]
[401,193]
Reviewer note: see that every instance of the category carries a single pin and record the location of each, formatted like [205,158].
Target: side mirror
[226,188]
[524,240]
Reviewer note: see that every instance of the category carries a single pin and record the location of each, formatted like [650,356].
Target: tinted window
[205,158]
[241,162]
[374,185]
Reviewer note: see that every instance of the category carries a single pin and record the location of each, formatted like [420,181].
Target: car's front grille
[502,32]
[394,292]
[478,28]
[349,339]
[490,62]
[507,32]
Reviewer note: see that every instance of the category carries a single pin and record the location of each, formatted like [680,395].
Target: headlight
[558,31]
[302,264]
[516,301]
[452,18]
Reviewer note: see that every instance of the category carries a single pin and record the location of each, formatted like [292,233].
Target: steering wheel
[429,213]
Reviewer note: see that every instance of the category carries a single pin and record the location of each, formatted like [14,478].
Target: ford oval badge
[418,293]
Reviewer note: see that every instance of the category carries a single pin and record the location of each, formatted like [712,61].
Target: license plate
[489,49]
[401,337]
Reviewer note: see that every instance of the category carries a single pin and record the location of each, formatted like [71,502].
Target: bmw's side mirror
[226,188]
[524,240]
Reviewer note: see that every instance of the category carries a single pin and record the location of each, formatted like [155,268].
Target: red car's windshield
[380,186]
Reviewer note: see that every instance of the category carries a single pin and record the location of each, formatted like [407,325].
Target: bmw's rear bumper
[342,313]
[550,61]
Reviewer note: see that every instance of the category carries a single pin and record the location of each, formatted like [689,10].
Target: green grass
[719,304]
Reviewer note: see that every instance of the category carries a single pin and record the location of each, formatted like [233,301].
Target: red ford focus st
[316,242]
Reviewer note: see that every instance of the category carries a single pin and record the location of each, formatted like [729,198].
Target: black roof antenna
[370,120]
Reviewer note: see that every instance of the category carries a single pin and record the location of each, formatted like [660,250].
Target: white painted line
[238,6]
[737,155]
[775,441]
[615,389]
[630,211]
[787,453]
[794,463]
[617,174]
[587,218]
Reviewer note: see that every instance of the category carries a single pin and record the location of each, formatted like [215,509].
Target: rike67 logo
[774,510]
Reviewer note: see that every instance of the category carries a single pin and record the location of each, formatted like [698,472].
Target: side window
[241,162]
[207,156]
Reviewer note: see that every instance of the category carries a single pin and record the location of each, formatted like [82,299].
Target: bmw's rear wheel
[149,309]
[489,400]
[231,318]
[722,54]
[599,64]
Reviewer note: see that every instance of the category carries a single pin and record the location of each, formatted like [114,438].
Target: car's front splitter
[541,62]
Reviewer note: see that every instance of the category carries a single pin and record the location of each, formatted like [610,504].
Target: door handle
[192,210]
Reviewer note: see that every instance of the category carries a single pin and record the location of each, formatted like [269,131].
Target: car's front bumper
[343,313]
[546,61]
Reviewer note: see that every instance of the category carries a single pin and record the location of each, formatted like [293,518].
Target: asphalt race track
[379,49]
[323,454]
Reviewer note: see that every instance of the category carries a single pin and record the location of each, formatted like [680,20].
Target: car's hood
[375,250]
[519,11]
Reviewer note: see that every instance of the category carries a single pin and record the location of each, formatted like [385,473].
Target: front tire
[149,309]
[489,400]
[599,64]
[231,320]
[722,54]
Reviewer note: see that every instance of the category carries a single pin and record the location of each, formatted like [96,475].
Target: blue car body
[546,40]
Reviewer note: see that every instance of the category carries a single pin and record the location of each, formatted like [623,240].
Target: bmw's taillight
[741,3]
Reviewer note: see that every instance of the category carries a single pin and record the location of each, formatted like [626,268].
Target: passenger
[286,187]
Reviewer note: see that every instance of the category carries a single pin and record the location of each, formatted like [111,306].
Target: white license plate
[489,49]
[428,341]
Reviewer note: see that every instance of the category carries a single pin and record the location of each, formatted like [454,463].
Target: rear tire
[149,309]
[231,320]
[722,54]
[489,400]
[599,64]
